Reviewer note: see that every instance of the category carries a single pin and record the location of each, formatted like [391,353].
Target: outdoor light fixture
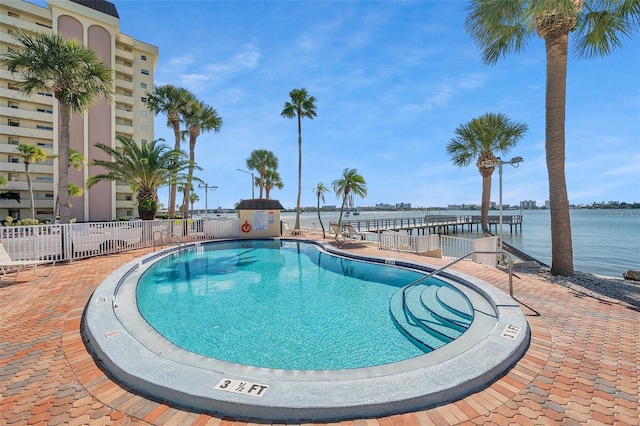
[252,183]
[515,163]
[206,187]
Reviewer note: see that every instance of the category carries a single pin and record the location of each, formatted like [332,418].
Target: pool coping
[164,371]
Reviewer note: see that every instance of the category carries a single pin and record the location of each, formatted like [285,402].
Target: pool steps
[434,316]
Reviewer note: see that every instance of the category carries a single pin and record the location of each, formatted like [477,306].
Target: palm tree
[301,105]
[193,198]
[271,180]
[480,140]
[349,184]
[261,160]
[31,154]
[75,75]
[320,189]
[146,167]
[502,27]
[198,117]
[172,101]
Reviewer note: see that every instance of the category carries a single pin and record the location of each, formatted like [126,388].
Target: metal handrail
[166,234]
[431,274]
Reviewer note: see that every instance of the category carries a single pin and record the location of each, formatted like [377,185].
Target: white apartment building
[34,120]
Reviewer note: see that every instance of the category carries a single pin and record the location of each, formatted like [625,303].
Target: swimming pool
[144,359]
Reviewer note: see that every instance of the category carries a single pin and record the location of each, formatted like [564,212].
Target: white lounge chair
[290,231]
[7,263]
[351,232]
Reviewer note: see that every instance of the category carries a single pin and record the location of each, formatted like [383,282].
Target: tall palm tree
[31,154]
[320,189]
[146,167]
[271,180]
[480,139]
[261,160]
[75,75]
[349,184]
[301,105]
[502,27]
[198,117]
[193,198]
[173,102]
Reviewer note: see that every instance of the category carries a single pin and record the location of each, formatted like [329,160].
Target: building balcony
[26,132]
[124,69]
[17,96]
[121,53]
[122,113]
[125,130]
[26,114]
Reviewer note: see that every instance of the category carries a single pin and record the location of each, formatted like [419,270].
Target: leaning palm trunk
[561,244]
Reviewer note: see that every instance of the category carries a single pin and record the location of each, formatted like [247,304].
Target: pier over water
[440,224]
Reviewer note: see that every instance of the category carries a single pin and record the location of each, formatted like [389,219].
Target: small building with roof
[259,218]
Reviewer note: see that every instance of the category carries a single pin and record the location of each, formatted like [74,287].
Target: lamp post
[252,183]
[206,187]
[514,162]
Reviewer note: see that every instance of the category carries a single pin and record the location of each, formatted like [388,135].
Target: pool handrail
[453,262]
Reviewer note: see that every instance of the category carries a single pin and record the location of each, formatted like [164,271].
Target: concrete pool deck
[581,366]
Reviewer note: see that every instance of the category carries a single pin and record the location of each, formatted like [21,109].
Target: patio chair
[351,232]
[337,231]
[7,263]
[287,228]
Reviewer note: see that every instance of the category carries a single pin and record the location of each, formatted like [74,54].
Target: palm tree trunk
[486,200]
[33,209]
[561,244]
[320,219]
[175,123]
[63,162]
[188,185]
[297,225]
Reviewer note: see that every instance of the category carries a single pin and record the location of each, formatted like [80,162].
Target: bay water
[605,241]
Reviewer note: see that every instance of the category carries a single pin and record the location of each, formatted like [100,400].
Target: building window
[145,72]
[44,178]
[143,57]
[143,85]
[143,99]
[143,141]
[14,160]
[143,127]
[45,94]
[13,15]
[13,105]
[45,144]
[14,123]
[41,127]
[128,213]
[129,198]
[143,113]
[14,142]
[48,111]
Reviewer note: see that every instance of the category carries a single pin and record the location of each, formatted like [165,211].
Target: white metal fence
[403,242]
[80,240]
[452,247]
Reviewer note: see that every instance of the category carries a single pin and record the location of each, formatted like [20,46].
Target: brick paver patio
[581,367]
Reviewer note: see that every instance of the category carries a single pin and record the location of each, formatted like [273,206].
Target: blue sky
[392,79]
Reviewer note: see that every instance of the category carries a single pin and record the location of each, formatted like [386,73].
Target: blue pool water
[276,304]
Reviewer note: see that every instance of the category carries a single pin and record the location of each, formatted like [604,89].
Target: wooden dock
[440,224]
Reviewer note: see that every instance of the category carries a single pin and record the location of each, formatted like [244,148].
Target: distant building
[528,204]
[34,120]
[403,206]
